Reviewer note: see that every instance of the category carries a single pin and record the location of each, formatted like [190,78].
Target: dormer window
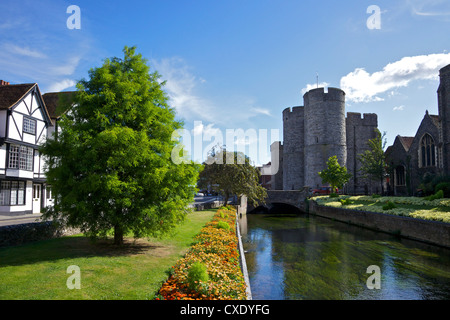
[29,125]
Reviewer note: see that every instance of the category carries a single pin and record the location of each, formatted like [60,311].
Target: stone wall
[23,233]
[276,153]
[358,132]
[434,232]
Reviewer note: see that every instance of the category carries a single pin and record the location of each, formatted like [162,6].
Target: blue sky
[237,64]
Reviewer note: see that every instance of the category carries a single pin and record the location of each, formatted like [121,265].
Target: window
[29,125]
[13,156]
[5,191]
[12,193]
[49,192]
[427,152]
[20,157]
[400,176]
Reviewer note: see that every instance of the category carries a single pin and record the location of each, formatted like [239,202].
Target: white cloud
[399,108]
[261,111]
[429,8]
[61,85]
[67,68]
[361,86]
[310,86]
[180,86]
[209,130]
[24,51]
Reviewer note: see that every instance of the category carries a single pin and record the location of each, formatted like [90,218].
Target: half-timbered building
[24,126]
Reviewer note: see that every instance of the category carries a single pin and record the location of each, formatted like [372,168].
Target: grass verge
[414,207]
[134,271]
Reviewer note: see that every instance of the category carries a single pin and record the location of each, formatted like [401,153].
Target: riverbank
[433,232]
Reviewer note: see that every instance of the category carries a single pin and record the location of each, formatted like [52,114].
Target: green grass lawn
[134,271]
[420,208]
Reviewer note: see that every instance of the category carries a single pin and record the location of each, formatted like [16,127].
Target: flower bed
[215,249]
[436,210]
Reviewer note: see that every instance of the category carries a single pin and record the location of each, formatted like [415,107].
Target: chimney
[3,83]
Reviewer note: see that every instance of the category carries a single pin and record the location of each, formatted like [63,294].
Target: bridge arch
[279,200]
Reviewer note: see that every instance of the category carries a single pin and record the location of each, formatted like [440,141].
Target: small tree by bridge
[232,173]
[335,174]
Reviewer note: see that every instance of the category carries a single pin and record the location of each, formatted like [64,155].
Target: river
[296,257]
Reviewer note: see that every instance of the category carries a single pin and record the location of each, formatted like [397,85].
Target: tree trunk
[118,235]
[226,198]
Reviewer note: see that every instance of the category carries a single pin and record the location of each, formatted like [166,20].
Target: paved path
[18,219]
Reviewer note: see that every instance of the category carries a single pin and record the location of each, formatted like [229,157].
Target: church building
[411,159]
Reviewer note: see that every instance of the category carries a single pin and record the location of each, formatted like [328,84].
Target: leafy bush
[223,225]
[389,205]
[346,202]
[437,195]
[375,196]
[430,182]
[445,187]
[197,273]
[334,195]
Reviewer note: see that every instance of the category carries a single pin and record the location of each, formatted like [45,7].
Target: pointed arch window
[427,152]
[400,176]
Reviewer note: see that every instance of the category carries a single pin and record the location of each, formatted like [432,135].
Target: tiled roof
[406,141]
[11,94]
[56,102]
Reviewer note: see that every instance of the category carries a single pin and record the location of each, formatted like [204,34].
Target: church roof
[13,93]
[435,119]
[406,141]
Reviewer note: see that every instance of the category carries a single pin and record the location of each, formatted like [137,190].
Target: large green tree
[111,167]
[335,174]
[231,173]
[373,160]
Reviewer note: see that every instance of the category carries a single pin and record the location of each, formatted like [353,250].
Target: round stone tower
[324,131]
[293,139]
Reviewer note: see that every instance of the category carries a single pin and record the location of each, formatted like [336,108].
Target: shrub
[223,225]
[430,182]
[197,273]
[445,187]
[346,201]
[375,196]
[334,195]
[437,195]
[389,205]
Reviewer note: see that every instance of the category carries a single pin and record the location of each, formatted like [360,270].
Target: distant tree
[110,166]
[335,174]
[232,174]
[373,160]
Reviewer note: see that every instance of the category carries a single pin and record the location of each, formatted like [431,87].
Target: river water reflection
[308,257]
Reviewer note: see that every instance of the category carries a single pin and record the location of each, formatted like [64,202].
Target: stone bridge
[280,200]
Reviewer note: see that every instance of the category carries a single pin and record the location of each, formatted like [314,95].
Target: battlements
[319,94]
[368,119]
[294,112]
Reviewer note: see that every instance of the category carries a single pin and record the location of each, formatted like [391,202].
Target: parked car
[199,194]
[322,191]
